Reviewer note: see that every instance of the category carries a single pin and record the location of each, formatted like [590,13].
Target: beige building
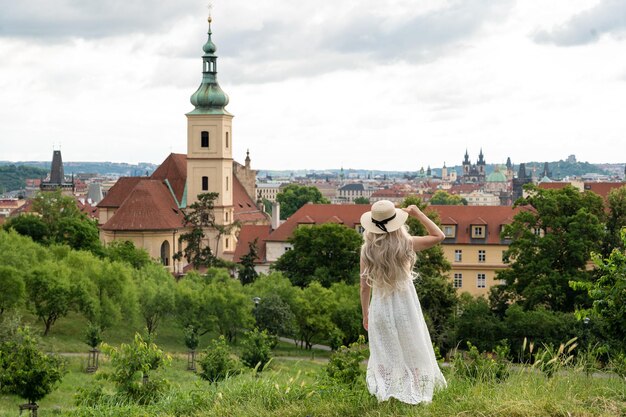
[149,211]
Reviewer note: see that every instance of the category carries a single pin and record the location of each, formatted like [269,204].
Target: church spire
[209,98]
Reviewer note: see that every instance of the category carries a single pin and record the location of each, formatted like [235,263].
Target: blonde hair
[388,258]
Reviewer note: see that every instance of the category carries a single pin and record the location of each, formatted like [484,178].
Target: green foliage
[26,371]
[618,365]
[616,221]
[156,291]
[247,273]
[29,225]
[550,360]
[313,310]
[324,253]
[256,349]
[13,177]
[551,243]
[125,251]
[79,233]
[274,315]
[442,198]
[135,370]
[93,335]
[477,367]
[361,200]
[294,196]
[478,325]
[191,338]
[344,365]
[51,292]
[20,252]
[199,216]
[13,288]
[217,362]
[540,325]
[347,314]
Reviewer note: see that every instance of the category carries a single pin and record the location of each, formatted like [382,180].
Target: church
[149,211]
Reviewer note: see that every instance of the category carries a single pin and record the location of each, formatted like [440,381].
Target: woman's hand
[365,322]
[413,210]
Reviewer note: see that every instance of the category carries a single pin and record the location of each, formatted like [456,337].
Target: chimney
[275,215]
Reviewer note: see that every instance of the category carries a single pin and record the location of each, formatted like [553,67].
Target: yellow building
[149,211]
[473,244]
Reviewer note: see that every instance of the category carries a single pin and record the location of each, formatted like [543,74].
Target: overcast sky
[387,84]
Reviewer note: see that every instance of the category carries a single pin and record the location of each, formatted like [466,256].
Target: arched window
[204,139]
[205,183]
[165,253]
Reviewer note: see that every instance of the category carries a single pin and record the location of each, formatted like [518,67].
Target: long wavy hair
[388,258]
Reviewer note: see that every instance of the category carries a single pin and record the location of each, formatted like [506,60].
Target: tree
[616,220]
[13,289]
[347,314]
[52,293]
[125,251]
[20,251]
[79,233]
[478,325]
[313,310]
[26,371]
[294,196]
[609,292]
[325,253]
[155,294]
[29,225]
[442,198]
[200,217]
[361,200]
[247,273]
[274,315]
[551,244]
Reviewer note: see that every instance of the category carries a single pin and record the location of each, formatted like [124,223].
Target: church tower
[209,145]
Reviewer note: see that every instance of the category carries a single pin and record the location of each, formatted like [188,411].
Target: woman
[402,362]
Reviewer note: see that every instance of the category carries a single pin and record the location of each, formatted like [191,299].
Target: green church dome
[496,176]
[209,98]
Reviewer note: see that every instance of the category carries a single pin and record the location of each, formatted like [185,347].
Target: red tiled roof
[553,185]
[246,210]
[174,170]
[88,209]
[603,188]
[465,216]
[394,193]
[306,220]
[348,214]
[150,206]
[247,234]
[463,188]
[120,190]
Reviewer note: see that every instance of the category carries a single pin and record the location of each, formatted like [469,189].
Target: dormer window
[204,139]
[478,232]
[449,231]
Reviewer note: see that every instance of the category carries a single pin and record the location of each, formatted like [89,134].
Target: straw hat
[383,218]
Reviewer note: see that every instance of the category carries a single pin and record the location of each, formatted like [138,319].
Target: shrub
[132,365]
[191,337]
[618,365]
[344,365]
[216,362]
[26,371]
[477,367]
[257,349]
[93,335]
[478,325]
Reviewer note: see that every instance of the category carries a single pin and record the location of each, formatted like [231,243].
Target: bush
[618,365]
[216,362]
[132,365]
[477,367]
[257,349]
[344,365]
[26,371]
[93,335]
[478,325]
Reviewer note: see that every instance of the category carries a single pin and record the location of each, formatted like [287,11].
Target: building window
[360,229]
[449,231]
[226,217]
[482,256]
[478,232]
[538,231]
[165,253]
[227,243]
[458,255]
[204,139]
[504,257]
[227,139]
[458,280]
[226,183]
[288,248]
[481,281]
[205,183]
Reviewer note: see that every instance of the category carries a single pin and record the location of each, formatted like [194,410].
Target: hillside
[13,177]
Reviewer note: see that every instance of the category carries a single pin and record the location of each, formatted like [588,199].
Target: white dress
[402,362]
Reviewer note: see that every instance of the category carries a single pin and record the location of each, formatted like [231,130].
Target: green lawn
[294,388]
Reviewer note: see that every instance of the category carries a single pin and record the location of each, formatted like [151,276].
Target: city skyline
[390,85]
